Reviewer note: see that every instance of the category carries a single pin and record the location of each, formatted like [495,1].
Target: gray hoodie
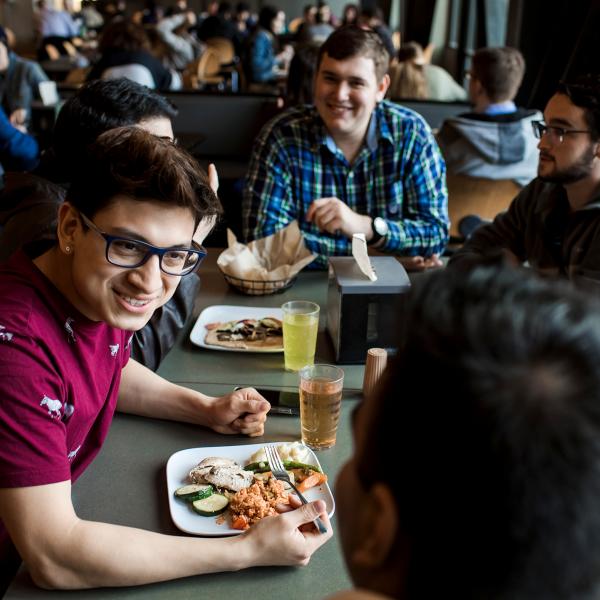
[493,147]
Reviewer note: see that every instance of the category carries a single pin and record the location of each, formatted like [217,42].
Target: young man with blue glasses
[125,239]
[554,222]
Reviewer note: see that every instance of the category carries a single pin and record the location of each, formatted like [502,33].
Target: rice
[258,501]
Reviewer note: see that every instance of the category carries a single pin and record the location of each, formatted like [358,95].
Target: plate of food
[239,329]
[224,490]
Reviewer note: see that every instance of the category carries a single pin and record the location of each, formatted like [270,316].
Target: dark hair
[584,91]
[99,106]
[123,34]
[266,16]
[131,162]
[500,71]
[487,431]
[350,41]
[301,74]
[349,8]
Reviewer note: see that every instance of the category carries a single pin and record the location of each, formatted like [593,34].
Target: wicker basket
[259,288]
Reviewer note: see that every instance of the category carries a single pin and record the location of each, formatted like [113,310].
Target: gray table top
[137,449]
[200,365]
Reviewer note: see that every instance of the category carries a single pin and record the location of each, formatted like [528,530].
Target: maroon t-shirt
[59,380]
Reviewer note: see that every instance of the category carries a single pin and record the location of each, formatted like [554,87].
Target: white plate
[221,313]
[181,463]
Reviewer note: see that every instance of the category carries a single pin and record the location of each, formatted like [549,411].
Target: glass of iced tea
[300,326]
[320,404]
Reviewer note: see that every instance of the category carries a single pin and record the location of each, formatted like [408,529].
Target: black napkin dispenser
[361,313]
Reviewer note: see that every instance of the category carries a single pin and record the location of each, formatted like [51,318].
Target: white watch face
[380,225]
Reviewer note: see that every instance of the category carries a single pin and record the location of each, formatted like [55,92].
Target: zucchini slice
[195,491]
[215,504]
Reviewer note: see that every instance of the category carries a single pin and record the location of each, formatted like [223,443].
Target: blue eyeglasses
[129,254]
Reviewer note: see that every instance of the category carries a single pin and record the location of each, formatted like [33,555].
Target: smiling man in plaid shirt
[352,163]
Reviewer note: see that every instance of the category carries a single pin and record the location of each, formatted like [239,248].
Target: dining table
[127,482]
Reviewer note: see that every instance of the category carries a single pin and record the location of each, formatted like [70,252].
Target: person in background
[182,45]
[554,222]
[349,15]
[318,31]
[351,164]
[220,25]
[495,140]
[301,75]
[266,63]
[125,238]
[30,202]
[92,18]
[18,150]
[477,498]
[55,23]
[413,77]
[371,17]
[123,44]
[298,25]
[242,19]
[19,83]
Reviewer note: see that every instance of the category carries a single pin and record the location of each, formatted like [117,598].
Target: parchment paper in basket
[279,256]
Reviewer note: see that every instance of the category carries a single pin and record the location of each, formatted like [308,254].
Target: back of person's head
[584,92]
[371,15]
[411,51]
[301,74]
[266,16]
[131,162]
[351,41]
[500,72]
[225,8]
[487,432]
[123,34]
[407,79]
[99,106]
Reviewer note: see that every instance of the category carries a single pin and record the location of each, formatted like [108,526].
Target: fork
[280,473]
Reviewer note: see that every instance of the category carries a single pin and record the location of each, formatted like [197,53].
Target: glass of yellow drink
[300,326]
[320,403]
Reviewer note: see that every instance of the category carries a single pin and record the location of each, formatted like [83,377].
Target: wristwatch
[380,228]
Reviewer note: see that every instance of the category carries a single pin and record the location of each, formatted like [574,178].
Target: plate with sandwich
[239,329]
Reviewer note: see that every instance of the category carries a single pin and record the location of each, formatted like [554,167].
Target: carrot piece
[240,522]
[312,480]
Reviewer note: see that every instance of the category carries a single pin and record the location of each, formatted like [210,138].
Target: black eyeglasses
[556,134]
[129,254]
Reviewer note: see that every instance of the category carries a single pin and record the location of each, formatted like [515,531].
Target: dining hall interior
[359,237]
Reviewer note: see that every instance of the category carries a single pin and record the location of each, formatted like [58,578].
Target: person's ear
[382,88]
[69,223]
[381,530]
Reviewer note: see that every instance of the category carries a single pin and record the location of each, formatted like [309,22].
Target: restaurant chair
[476,196]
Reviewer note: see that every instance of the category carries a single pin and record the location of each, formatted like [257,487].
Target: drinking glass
[300,326]
[320,404]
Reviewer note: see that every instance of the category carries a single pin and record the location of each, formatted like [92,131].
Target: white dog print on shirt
[53,406]
[114,348]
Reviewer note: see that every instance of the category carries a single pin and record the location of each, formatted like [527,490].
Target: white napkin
[361,255]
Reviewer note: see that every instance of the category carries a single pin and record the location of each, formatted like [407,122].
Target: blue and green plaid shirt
[399,174]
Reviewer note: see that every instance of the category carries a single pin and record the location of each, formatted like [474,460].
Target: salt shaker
[374,368]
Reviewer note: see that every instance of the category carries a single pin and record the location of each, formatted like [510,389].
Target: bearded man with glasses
[554,223]
[127,233]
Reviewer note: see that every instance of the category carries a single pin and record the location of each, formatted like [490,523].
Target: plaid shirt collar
[378,130]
